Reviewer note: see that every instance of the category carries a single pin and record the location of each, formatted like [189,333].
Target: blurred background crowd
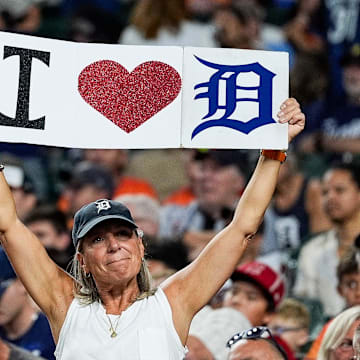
[302,269]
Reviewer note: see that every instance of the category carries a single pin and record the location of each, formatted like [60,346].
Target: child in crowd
[291,323]
[256,291]
[348,274]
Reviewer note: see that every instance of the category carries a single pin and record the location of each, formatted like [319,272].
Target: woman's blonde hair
[336,331]
[85,288]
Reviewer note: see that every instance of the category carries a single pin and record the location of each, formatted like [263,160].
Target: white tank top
[145,331]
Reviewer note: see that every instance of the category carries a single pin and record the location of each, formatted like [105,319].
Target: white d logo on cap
[102,205]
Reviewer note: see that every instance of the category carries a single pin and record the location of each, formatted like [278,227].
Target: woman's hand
[291,113]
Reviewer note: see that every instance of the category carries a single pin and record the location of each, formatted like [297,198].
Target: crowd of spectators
[302,268]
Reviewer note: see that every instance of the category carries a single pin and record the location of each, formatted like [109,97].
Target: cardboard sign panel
[80,95]
[231,98]
[89,95]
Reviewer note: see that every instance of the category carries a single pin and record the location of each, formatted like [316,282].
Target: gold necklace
[112,329]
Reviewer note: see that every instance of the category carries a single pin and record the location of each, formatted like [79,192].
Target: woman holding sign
[107,310]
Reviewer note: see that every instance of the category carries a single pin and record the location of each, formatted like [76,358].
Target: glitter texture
[129,99]
[22,107]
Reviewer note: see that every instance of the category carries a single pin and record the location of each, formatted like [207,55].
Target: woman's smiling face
[112,252]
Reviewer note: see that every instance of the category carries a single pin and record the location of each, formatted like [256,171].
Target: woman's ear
[140,235]
[81,259]
[142,248]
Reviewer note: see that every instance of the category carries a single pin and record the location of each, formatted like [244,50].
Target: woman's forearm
[257,195]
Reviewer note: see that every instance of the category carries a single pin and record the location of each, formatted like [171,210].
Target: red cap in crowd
[262,275]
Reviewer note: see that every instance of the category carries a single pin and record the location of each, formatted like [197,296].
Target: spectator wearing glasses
[291,323]
[255,344]
[337,342]
[348,275]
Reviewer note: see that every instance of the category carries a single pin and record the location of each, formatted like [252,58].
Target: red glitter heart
[129,99]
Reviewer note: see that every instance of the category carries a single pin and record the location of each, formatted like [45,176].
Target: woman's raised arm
[48,285]
[191,288]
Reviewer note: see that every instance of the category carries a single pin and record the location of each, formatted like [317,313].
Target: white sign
[89,95]
[231,98]
[80,95]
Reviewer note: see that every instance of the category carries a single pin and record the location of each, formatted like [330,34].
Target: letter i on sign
[23,99]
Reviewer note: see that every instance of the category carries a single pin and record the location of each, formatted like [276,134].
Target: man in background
[223,176]
[49,224]
[319,258]
[21,323]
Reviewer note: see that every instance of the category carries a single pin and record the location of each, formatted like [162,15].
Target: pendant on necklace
[113,334]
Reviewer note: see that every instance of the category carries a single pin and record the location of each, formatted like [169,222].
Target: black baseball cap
[96,212]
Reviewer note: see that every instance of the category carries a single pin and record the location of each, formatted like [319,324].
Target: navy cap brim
[98,220]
